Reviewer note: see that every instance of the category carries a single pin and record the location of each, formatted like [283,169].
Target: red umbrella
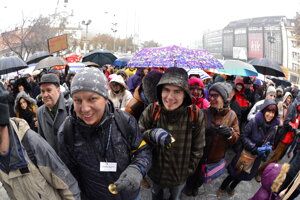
[73,59]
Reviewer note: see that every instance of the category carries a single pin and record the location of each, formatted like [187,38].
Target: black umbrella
[37,56]
[101,57]
[284,83]
[11,64]
[266,66]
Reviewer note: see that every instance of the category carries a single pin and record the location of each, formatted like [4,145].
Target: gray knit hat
[224,89]
[90,79]
[271,90]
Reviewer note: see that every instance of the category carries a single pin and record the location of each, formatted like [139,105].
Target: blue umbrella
[237,67]
[121,62]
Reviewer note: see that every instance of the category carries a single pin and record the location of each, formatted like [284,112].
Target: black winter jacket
[101,143]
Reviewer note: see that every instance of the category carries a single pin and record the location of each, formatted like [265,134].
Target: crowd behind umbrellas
[242,113]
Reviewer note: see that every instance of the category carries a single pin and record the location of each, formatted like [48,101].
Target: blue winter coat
[254,136]
[101,143]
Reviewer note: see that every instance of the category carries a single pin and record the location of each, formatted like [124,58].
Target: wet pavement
[244,190]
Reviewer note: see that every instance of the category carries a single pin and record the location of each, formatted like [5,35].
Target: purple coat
[268,176]
[253,136]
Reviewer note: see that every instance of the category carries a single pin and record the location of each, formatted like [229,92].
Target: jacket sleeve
[198,143]
[145,124]
[236,129]
[52,168]
[290,117]
[142,155]
[253,111]
[127,97]
[246,137]
[40,130]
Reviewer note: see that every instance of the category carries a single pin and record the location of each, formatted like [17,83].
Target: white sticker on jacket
[108,167]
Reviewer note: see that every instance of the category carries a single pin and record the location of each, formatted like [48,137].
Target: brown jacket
[136,106]
[216,144]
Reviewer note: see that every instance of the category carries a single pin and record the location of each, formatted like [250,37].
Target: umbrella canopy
[284,83]
[266,66]
[203,75]
[174,56]
[37,56]
[50,62]
[121,62]
[11,64]
[101,57]
[237,67]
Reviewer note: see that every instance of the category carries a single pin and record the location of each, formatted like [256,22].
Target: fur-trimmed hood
[25,96]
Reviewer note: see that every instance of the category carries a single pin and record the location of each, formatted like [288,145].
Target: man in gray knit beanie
[101,145]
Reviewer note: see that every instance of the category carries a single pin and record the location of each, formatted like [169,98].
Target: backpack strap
[120,120]
[155,114]
[194,114]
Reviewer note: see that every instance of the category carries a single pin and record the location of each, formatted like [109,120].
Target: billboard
[255,45]
[58,43]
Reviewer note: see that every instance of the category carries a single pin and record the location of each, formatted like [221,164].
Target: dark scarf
[27,115]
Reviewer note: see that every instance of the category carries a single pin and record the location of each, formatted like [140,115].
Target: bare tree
[149,44]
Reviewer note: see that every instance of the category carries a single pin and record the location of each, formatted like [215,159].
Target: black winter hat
[177,77]
[224,89]
[149,83]
[247,80]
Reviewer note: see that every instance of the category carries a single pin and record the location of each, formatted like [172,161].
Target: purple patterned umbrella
[174,56]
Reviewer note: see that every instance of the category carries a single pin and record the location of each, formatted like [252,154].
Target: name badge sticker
[108,167]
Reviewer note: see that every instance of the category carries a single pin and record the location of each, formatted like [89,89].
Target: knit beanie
[149,83]
[90,79]
[271,90]
[224,89]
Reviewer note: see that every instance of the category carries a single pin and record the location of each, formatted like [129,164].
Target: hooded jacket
[48,178]
[121,99]
[31,108]
[239,95]
[172,166]
[92,144]
[283,107]
[254,135]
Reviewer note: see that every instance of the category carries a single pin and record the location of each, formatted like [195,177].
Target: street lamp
[114,30]
[86,24]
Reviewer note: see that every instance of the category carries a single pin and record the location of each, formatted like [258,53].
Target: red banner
[255,45]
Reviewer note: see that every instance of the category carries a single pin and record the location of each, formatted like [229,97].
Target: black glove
[226,131]
[4,111]
[130,179]
[161,137]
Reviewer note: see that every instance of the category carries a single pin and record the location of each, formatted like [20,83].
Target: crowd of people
[102,133]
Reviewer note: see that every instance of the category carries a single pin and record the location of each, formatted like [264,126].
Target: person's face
[89,106]
[289,99]
[271,96]
[145,72]
[23,103]
[215,99]
[131,68]
[115,86]
[196,92]
[269,115]
[279,93]
[172,97]
[50,94]
[239,87]
[21,88]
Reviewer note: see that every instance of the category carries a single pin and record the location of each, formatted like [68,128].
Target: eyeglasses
[215,96]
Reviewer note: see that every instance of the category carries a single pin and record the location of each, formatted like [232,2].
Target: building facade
[264,37]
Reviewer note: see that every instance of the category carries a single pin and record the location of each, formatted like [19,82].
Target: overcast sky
[165,21]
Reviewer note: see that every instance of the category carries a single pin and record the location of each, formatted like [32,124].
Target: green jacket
[171,167]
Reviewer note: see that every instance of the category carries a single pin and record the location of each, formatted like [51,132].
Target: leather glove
[161,136]
[4,110]
[226,131]
[130,179]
